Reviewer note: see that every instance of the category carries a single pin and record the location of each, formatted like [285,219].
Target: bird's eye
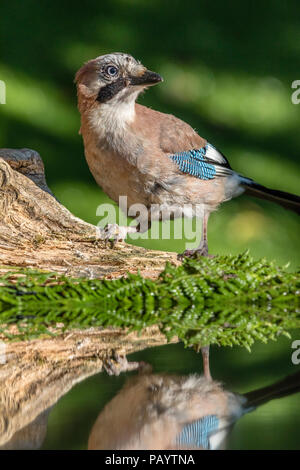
[111,70]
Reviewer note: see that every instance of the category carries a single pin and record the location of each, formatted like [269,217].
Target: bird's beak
[146,79]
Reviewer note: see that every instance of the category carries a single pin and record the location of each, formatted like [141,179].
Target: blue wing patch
[197,433]
[205,163]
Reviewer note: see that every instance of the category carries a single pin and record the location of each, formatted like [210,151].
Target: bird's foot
[201,251]
[118,363]
[114,233]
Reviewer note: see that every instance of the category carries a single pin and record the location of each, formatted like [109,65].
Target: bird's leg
[202,249]
[205,358]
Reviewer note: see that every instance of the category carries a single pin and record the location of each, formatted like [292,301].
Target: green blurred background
[228,70]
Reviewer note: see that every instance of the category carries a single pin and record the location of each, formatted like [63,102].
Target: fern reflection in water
[226,300]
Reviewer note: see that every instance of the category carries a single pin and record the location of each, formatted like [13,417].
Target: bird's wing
[192,154]
[198,433]
[179,142]
[205,162]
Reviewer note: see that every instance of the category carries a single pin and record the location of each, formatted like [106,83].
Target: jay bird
[151,157]
[164,412]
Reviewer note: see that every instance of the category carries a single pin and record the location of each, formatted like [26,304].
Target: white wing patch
[215,156]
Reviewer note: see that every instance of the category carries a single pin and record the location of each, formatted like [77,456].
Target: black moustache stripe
[107,92]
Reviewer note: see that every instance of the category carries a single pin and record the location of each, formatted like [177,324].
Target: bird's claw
[201,251]
[118,363]
[114,233]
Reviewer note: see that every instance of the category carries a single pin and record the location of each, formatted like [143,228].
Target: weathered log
[37,231]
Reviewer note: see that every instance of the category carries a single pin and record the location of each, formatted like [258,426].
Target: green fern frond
[227,300]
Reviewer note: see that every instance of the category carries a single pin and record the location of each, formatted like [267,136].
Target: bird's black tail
[286,200]
[283,388]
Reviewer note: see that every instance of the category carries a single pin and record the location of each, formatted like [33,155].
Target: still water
[77,420]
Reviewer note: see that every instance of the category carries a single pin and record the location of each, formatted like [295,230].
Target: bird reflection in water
[164,412]
[161,412]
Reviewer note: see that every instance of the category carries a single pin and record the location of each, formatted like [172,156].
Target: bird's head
[114,78]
